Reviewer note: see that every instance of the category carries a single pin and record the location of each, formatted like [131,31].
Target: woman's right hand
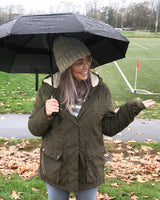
[51,106]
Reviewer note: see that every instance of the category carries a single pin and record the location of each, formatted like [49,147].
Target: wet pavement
[14,126]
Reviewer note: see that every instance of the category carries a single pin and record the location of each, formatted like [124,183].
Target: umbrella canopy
[22,41]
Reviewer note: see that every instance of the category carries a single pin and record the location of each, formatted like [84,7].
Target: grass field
[17,91]
[148,52]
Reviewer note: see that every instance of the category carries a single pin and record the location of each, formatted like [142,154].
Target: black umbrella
[22,41]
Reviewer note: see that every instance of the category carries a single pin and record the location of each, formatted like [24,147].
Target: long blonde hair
[71,90]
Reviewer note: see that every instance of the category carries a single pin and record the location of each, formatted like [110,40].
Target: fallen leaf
[148,140]
[118,141]
[134,197]
[139,133]
[22,170]
[145,148]
[115,185]
[131,141]
[1,117]
[14,166]
[129,181]
[140,179]
[131,194]
[146,197]
[110,198]
[15,195]
[155,199]
[129,147]
[131,152]
[8,106]
[99,196]
[19,104]
[106,197]
[35,189]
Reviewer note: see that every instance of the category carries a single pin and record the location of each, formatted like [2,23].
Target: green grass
[148,73]
[17,92]
[32,144]
[154,146]
[122,193]
[112,147]
[14,182]
[140,34]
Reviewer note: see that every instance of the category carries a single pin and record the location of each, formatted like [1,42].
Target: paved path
[141,130]
[14,125]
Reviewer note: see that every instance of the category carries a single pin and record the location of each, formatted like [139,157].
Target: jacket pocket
[95,166]
[51,160]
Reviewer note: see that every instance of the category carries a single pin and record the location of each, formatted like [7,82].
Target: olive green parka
[72,152]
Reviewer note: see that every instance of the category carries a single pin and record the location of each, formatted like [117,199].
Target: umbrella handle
[59,120]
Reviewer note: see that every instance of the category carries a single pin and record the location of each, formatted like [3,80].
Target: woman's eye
[80,63]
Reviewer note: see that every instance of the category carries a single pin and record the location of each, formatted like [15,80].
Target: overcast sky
[45,4]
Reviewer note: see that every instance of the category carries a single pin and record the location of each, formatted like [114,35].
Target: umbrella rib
[16,52]
[76,16]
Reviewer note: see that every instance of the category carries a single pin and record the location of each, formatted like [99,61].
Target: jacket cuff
[136,106]
[44,117]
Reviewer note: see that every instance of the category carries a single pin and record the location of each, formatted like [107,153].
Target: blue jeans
[58,194]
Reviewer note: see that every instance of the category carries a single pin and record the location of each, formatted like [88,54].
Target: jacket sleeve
[39,123]
[114,122]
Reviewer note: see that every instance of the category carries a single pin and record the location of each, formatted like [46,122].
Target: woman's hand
[148,103]
[51,106]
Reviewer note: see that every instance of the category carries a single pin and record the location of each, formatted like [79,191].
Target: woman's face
[81,67]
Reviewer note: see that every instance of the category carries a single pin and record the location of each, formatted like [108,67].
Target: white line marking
[134,43]
[129,85]
[131,49]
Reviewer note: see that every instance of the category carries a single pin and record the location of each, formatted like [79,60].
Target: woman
[72,151]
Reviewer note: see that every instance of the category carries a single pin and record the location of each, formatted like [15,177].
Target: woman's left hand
[148,103]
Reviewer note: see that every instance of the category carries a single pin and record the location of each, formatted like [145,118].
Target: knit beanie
[67,51]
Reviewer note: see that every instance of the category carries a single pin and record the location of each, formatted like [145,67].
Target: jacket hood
[95,79]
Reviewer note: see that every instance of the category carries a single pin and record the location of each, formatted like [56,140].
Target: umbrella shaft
[36,80]
[51,68]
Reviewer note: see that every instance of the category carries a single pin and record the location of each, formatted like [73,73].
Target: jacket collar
[57,76]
